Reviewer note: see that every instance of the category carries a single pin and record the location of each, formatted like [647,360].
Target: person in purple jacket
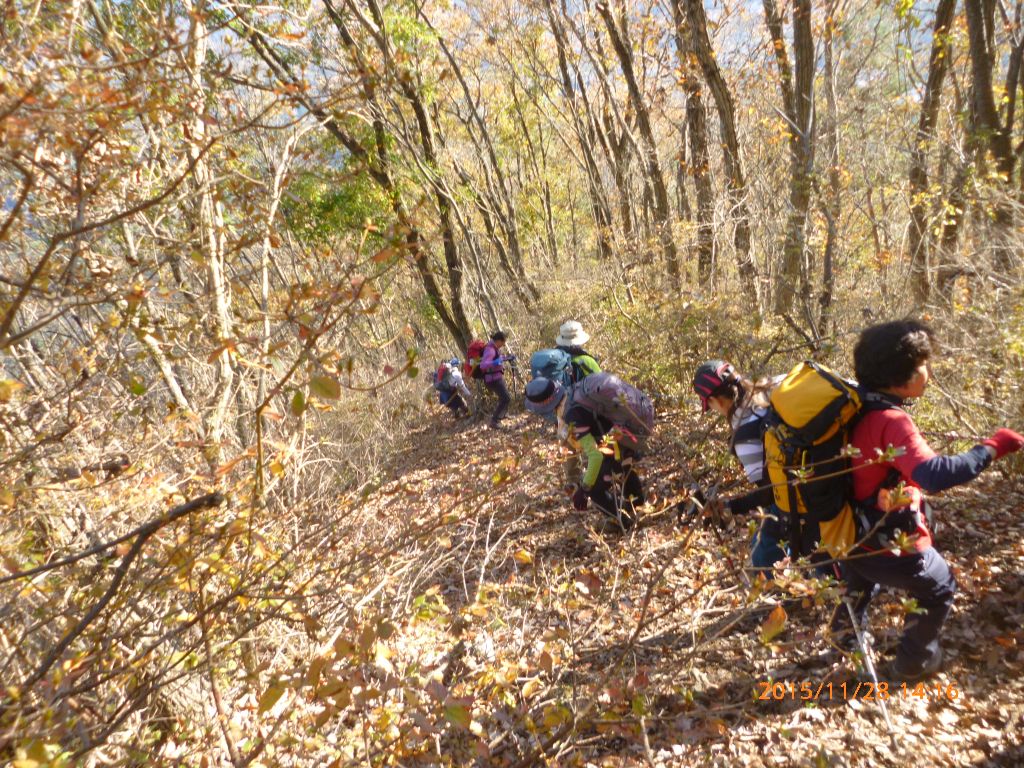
[492,365]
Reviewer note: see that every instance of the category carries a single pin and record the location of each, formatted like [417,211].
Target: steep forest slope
[546,637]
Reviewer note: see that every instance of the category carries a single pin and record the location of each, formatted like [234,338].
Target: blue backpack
[553,364]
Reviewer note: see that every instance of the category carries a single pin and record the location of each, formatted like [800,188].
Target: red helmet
[711,377]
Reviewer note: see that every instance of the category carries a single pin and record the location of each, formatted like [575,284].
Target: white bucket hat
[571,334]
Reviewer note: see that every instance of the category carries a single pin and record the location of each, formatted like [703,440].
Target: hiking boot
[615,523]
[845,640]
[895,672]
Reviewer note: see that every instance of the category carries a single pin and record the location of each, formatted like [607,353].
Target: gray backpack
[623,405]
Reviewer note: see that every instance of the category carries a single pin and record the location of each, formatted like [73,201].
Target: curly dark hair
[887,354]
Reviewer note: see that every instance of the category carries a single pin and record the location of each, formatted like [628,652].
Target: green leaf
[325,387]
[298,403]
[413,372]
[137,386]
[458,715]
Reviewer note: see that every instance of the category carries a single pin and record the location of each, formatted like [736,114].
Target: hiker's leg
[607,494]
[501,391]
[765,550]
[861,589]
[632,484]
[604,494]
[927,578]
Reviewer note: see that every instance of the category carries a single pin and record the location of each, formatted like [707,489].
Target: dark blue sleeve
[941,472]
[764,496]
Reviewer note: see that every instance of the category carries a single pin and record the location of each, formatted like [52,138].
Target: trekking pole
[865,648]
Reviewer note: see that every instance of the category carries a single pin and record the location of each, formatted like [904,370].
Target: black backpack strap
[751,431]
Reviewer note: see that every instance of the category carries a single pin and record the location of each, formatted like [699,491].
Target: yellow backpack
[812,411]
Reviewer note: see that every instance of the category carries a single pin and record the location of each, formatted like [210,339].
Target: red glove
[1004,441]
[580,499]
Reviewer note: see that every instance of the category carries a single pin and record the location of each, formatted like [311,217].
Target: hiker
[744,405]
[608,477]
[895,546]
[492,366]
[567,363]
[452,391]
[570,339]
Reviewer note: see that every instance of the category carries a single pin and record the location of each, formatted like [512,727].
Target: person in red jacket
[892,367]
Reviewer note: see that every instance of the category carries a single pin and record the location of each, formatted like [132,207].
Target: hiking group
[599,417]
[839,467]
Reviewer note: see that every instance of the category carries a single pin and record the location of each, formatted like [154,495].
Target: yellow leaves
[270,697]
[531,687]
[7,498]
[9,388]
[315,670]
[382,658]
[555,716]
[36,754]
[505,470]
[774,624]
[523,557]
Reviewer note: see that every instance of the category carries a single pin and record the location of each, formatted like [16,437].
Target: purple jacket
[490,364]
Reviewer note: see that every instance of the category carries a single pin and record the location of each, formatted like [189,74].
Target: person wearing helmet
[744,405]
[582,430]
[570,339]
[452,391]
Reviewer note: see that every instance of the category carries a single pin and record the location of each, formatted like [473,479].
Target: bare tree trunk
[499,245]
[408,84]
[682,198]
[980,35]
[504,207]
[798,100]
[832,205]
[919,237]
[598,202]
[653,166]
[539,172]
[621,159]
[731,156]
[211,229]
[376,160]
[700,162]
